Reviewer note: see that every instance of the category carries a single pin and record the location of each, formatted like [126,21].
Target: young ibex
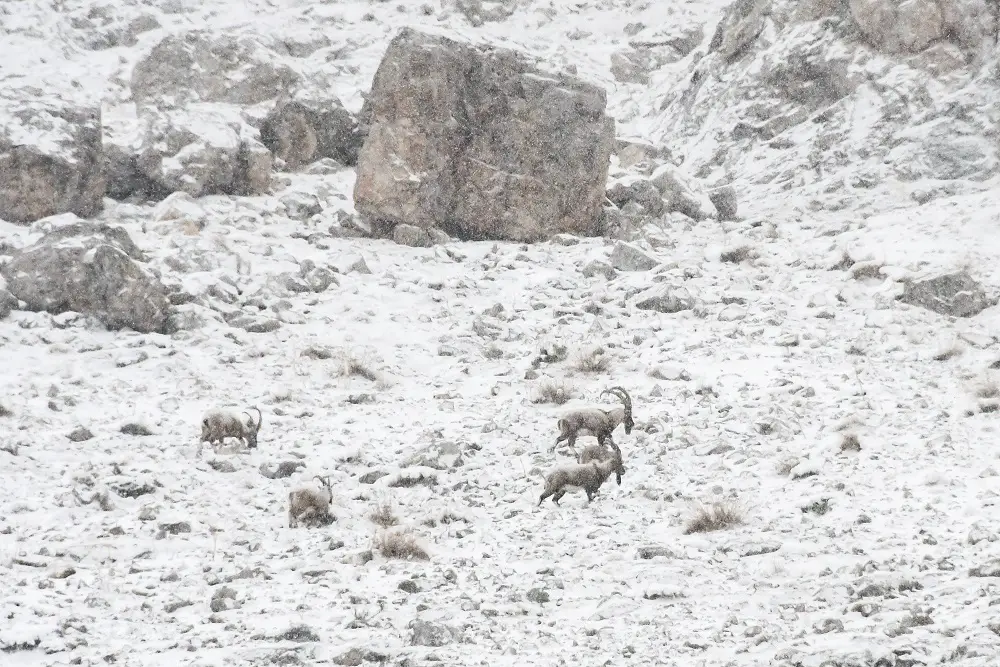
[220,423]
[599,452]
[596,421]
[586,476]
[307,502]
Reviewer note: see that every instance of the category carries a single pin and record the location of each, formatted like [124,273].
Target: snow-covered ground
[870,557]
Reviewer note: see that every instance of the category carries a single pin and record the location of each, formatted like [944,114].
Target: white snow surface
[855,558]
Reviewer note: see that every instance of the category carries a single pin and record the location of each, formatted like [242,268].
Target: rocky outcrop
[96,272]
[479,143]
[307,128]
[910,26]
[50,160]
[955,294]
[209,67]
[202,149]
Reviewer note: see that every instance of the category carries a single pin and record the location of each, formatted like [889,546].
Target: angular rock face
[201,150]
[910,26]
[212,68]
[479,143]
[50,160]
[306,129]
[93,274]
[954,294]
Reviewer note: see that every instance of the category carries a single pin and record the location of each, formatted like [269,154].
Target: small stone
[598,268]
[564,239]
[131,358]
[990,568]
[171,607]
[955,294]
[732,313]
[626,257]
[133,428]
[538,595]
[283,470]
[666,300]
[371,476]
[411,235]
[80,434]
[175,527]
[223,598]
[828,625]
[427,633]
[650,552]
[408,586]
[220,465]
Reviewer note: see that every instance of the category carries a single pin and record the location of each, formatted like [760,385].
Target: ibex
[596,421]
[586,476]
[598,452]
[307,502]
[220,423]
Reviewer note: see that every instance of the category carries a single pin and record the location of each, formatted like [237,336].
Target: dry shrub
[408,479]
[352,365]
[736,254]
[493,352]
[383,515]
[715,516]
[317,352]
[849,442]
[399,543]
[948,351]
[988,388]
[552,391]
[593,361]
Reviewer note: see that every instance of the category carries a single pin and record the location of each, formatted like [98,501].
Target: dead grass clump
[408,479]
[849,442]
[989,405]
[383,515]
[845,262]
[399,543]
[856,350]
[948,351]
[493,352]
[863,270]
[988,388]
[5,411]
[716,516]
[594,361]
[551,391]
[351,365]
[736,254]
[318,352]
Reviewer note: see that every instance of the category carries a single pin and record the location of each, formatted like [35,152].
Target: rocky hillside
[413,235]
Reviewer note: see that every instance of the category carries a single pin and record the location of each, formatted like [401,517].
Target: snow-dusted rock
[411,235]
[956,294]
[50,159]
[638,190]
[92,274]
[211,67]
[725,202]
[201,150]
[480,143]
[682,193]
[8,302]
[909,26]
[307,128]
[627,257]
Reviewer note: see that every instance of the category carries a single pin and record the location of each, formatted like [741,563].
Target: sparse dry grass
[399,543]
[715,516]
[5,411]
[988,388]
[863,270]
[948,351]
[849,442]
[407,479]
[593,361]
[551,391]
[383,515]
[737,254]
[317,352]
[493,351]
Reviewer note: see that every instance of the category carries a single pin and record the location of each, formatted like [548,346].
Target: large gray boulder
[910,26]
[96,272]
[478,142]
[956,294]
[307,127]
[204,66]
[50,160]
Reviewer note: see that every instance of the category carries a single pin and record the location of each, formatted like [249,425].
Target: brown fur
[587,476]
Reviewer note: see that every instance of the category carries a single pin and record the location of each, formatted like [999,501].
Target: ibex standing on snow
[596,421]
[586,476]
